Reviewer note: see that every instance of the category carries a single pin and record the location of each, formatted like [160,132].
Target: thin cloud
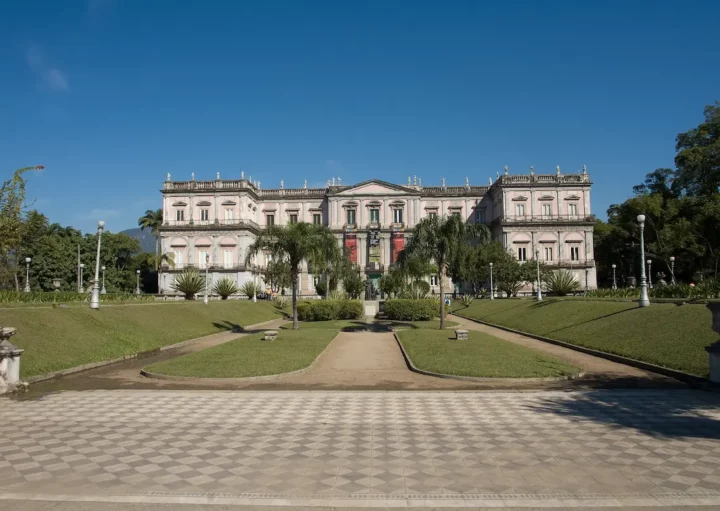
[50,77]
[102,214]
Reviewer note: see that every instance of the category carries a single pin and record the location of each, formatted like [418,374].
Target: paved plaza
[437,449]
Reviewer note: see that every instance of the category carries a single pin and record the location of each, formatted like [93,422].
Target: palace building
[212,223]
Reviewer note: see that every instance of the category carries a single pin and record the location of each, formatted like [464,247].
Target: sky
[111,95]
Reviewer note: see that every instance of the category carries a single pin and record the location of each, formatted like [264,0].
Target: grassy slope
[663,334]
[251,356]
[481,355]
[56,339]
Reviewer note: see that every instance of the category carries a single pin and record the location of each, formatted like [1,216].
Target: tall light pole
[672,270]
[649,261]
[137,287]
[492,289]
[614,281]
[27,275]
[95,298]
[537,262]
[82,287]
[103,290]
[644,300]
[207,263]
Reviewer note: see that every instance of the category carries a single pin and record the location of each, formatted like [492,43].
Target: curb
[133,356]
[691,379]
[480,379]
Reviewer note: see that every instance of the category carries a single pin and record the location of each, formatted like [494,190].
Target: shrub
[354,285]
[466,300]
[189,283]
[225,287]
[350,309]
[250,289]
[561,282]
[321,287]
[281,302]
[337,294]
[411,310]
[621,292]
[7,296]
[328,310]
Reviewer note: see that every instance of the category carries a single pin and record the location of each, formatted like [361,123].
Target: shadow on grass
[660,414]
[228,325]
[588,321]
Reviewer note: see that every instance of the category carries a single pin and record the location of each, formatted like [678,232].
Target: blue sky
[110,95]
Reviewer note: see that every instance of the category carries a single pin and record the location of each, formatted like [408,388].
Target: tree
[293,244]
[698,158]
[277,275]
[441,240]
[332,262]
[153,219]
[354,284]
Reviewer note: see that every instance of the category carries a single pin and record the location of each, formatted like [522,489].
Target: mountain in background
[146,239]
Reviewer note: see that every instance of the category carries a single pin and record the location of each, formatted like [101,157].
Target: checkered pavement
[325,444]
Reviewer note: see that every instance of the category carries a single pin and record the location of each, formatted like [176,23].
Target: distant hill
[146,239]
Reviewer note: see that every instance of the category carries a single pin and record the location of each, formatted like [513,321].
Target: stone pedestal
[714,349]
[9,361]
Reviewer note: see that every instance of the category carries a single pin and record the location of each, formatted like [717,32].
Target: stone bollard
[9,361]
[714,349]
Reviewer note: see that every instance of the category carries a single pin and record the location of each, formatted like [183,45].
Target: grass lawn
[359,325]
[56,339]
[251,356]
[482,355]
[669,335]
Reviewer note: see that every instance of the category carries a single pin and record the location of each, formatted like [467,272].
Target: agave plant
[250,289]
[189,283]
[562,282]
[466,300]
[225,287]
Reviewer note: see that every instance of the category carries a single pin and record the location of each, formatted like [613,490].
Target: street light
[82,288]
[207,263]
[95,298]
[492,289]
[614,281]
[672,270]
[103,290]
[649,261]
[644,300]
[27,274]
[537,262]
[137,287]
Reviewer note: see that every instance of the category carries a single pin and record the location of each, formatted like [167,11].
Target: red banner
[351,247]
[398,244]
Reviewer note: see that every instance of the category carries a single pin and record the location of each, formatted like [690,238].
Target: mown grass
[668,335]
[56,339]
[482,355]
[251,356]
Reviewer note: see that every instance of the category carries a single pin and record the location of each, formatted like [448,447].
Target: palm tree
[293,244]
[153,220]
[440,240]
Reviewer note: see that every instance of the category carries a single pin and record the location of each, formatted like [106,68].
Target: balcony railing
[210,267]
[544,218]
[211,223]
[543,178]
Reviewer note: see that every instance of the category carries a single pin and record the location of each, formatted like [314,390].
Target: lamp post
[95,298]
[137,287]
[103,290]
[27,275]
[649,261]
[672,270]
[614,281]
[207,263]
[537,262]
[644,300]
[492,289]
[82,288]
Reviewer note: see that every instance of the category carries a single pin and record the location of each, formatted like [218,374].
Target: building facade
[212,223]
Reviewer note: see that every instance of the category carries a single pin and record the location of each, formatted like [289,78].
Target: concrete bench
[461,335]
[270,335]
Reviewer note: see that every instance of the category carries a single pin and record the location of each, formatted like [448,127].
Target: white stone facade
[218,220]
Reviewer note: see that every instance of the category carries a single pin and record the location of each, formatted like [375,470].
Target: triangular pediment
[374,187]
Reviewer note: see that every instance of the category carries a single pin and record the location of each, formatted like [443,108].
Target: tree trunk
[293,277]
[442,299]
[327,285]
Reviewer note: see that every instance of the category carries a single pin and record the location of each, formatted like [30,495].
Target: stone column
[385,249]
[362,250]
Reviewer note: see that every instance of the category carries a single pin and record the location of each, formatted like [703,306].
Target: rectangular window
[180,215]
[548,253]
[204,215]
[269,220]
[572,209]
[202,259]
[547,209]
[351,217]
[317,219]
[374,216]
[397,216]
[229,213]
[433,280]
[178,259]
[293,218]
[479,216]
[228,259]
[519,209]
[574,253]
[522,254]
[432,214]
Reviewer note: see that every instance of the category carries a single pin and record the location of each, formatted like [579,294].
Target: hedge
[401,309]
[328,310]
